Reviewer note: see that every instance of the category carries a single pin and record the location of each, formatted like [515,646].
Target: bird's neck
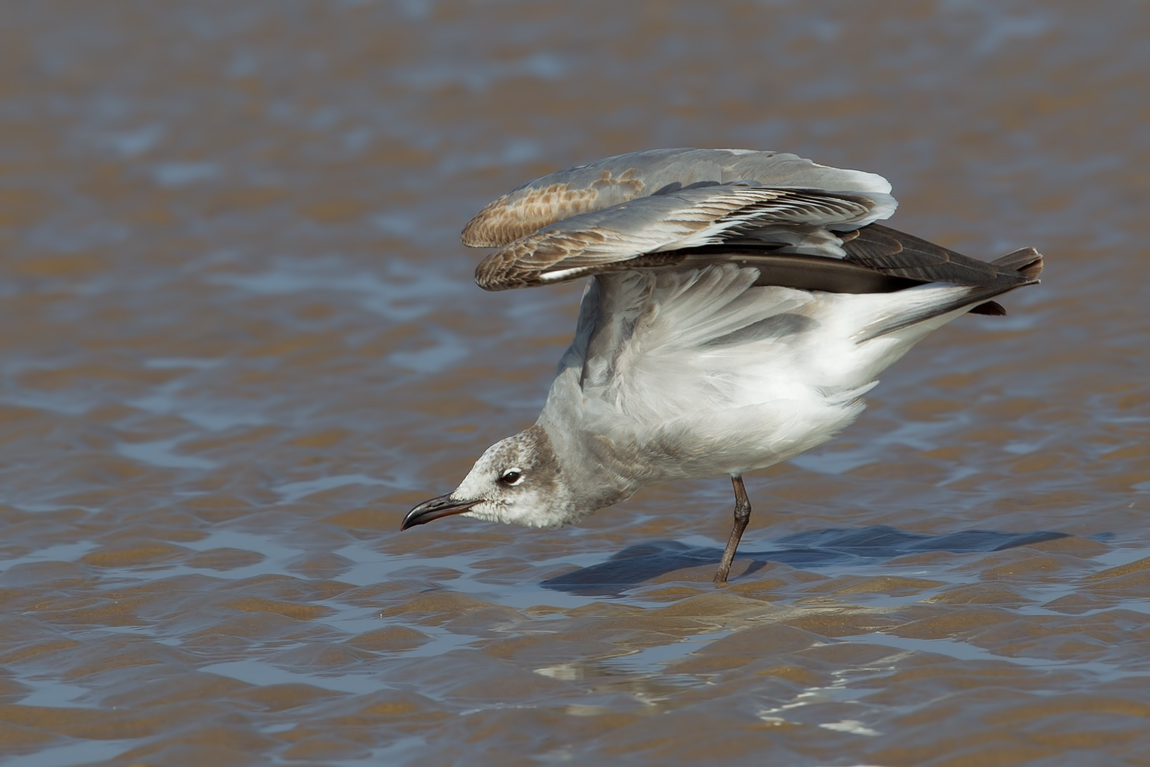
[593,460]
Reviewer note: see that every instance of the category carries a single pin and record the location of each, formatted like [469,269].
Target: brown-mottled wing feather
[614,180]
[801,224]
[650,227]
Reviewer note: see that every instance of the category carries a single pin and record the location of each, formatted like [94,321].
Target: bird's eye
[511,477]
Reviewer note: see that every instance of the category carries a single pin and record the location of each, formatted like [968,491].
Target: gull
[739,306]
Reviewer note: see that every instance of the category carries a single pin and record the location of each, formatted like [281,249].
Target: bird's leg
[742,517]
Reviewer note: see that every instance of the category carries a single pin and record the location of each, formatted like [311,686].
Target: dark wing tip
[991,308]
[1025,261]
[893,252]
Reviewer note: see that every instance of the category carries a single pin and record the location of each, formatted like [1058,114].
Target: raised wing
[877,259]
[614,180]
[800,224]
[654,230]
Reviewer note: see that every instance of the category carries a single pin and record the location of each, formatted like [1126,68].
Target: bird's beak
[443,506]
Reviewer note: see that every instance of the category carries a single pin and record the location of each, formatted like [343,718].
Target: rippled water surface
[241,341]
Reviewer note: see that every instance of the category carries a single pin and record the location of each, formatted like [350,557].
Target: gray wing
[614,180]
[648,231]
[801,224]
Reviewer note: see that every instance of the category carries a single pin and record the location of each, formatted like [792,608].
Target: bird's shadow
[817,548]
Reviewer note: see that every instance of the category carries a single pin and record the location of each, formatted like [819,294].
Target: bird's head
[517,480]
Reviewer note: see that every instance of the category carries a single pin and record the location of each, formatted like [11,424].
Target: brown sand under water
[241,340]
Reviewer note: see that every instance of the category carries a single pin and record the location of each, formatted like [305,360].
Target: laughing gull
[740,304]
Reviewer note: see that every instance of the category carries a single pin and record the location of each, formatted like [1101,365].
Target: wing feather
[615,180]
[687,218]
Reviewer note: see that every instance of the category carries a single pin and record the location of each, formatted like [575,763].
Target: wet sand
[242,340]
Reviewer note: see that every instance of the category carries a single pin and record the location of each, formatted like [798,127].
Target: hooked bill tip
[443,506]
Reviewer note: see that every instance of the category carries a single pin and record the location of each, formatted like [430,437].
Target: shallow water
[242,341]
